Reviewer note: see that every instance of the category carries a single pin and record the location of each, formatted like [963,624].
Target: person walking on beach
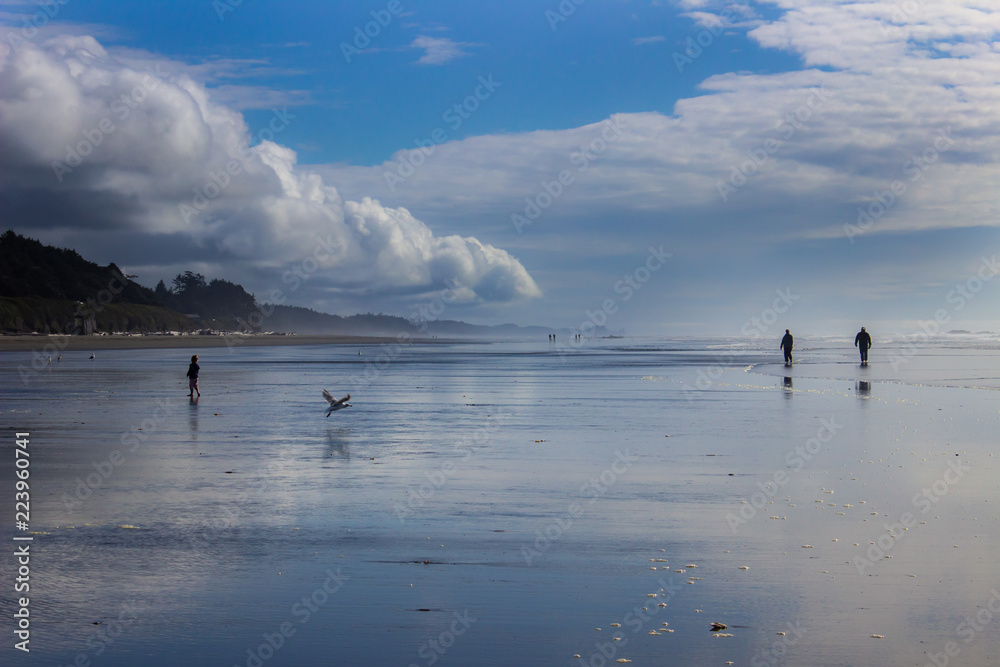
[193,377]
[863,341]
[786,345]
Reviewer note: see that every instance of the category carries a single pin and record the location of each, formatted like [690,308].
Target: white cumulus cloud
[138,154]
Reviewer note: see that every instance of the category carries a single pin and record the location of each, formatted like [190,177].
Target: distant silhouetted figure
[863,341]
[786,345]
[193,376]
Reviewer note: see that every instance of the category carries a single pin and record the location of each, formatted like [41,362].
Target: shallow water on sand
[496,504]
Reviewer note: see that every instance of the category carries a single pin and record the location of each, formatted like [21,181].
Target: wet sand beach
[511,504]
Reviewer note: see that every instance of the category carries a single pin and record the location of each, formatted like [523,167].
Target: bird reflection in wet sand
[337,441]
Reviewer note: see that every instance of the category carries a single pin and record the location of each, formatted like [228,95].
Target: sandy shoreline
[63,343]
[828,514]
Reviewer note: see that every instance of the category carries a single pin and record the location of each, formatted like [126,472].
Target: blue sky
[874,85]
[363,111]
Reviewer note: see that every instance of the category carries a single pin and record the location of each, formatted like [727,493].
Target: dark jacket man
[863,341]
[786,345]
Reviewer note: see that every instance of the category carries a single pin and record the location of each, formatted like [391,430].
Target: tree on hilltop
[188,282]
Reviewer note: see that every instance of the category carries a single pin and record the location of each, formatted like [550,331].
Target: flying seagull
[334,403]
